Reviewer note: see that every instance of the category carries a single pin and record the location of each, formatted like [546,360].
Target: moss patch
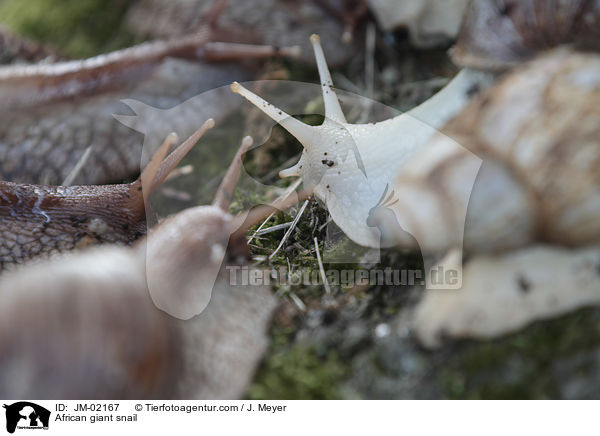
[78,28]
[527,365]
[299,373]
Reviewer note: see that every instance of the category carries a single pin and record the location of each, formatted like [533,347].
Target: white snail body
[350,166]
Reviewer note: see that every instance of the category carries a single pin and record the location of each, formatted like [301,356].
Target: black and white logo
[26,415]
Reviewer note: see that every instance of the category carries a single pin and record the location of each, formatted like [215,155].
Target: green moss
[300,373]
[78,28]
[523,365]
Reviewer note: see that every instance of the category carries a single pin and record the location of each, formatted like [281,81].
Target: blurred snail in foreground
[87,318]
[39,221]
[498,34]
[84,327]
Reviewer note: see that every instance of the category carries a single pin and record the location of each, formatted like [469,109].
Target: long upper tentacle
[303,132]
[333,110]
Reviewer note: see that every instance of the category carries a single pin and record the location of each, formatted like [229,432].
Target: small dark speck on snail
[524,284]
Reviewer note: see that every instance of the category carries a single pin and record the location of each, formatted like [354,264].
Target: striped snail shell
[538,135]
[497,34]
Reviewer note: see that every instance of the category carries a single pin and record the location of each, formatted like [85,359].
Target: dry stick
[243,222]
[321,269]
[68,181]
[260,232]
[260,227]
[288,192]
[298,302]
[289,231]
[327,221]
[370,59]
[181,171]
[223,51]
[175,194]
[345,83]
[369,72]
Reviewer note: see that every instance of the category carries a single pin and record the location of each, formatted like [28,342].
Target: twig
[369,72]
[175,194]
[287,192]
[370,59]
[260,227]
[297,301]
[272,229]
[327,221]
[321,269]
[180,171]
[77,169]
[289,231]
[344,82]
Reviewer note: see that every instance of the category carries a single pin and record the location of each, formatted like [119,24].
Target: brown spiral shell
[537,133]
[497,34]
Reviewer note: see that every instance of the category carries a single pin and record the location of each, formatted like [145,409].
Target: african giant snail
[350,166]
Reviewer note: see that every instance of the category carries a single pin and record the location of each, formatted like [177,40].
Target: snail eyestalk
[153,176]
[333,110]
[348,165]
[224,193]
[150,172]
[302,132]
